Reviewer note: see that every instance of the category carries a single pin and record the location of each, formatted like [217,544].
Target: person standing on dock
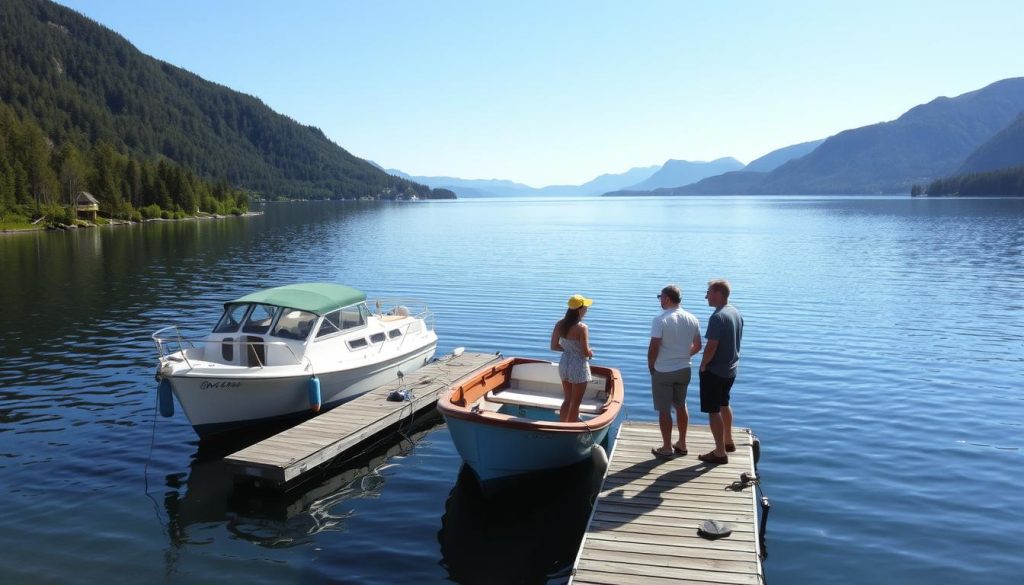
[718,368]
[571,337]
[675,337]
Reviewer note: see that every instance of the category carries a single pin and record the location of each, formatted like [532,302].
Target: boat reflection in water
[528,531]
[273,518]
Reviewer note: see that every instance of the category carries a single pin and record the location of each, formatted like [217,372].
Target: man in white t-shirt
[675,336]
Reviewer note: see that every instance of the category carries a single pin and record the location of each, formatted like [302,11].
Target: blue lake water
[882,369]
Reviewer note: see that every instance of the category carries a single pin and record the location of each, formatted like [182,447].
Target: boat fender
[756,444]
[600,457]
[314,394]
[165,398]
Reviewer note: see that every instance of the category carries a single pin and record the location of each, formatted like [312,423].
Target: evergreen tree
[73,172]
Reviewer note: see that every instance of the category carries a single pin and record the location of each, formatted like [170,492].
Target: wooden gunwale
[457,402]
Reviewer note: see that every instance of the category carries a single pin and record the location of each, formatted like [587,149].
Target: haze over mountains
[501,188]
[673,172]
[979,131]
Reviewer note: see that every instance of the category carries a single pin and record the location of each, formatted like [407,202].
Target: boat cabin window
[357,343]
[354,316]
[377,338]
[294,324]
[395,333]
[330,325]
[346,318]
[259,319]
[231,320]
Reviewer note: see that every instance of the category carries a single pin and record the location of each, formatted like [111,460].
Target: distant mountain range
[502,188]
[978,131]
[681,172]
[639,179]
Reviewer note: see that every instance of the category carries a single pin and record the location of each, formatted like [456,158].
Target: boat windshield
[231,320]
[259,319]
[347,318]
[294,324]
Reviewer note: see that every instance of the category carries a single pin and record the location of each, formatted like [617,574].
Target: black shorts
[714,392]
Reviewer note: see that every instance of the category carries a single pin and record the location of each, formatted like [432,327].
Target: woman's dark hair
[572,317]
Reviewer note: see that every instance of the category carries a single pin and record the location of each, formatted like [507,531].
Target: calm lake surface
[882,369]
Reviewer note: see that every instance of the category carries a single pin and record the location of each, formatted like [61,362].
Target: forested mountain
[37,180]
[980,130]
[725,184]
[1004,182]
[994,168]
[1005,149]
[929,141]
[84,84]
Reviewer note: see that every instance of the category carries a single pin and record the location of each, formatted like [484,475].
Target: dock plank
[643,528]
[288,455]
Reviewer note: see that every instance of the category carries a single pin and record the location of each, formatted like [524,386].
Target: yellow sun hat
[577,301]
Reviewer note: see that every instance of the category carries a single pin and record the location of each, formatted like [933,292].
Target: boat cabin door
[255,351]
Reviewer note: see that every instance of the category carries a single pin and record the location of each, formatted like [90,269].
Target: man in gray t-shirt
[718,369]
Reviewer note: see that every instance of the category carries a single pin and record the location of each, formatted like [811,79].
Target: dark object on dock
[714,529]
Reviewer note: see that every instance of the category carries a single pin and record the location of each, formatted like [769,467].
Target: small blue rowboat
[504,422]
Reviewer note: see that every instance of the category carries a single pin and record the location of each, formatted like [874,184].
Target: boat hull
[218,403]
[498,453]
[504,420]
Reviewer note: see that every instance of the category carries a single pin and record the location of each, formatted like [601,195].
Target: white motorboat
[284,352]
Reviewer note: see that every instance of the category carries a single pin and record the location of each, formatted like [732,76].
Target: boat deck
[288,455]
[643,529]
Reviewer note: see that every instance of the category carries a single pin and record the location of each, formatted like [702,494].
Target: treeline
[84,84]
[39,177]
[1003,182]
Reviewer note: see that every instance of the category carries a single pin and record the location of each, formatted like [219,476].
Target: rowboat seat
[524,397]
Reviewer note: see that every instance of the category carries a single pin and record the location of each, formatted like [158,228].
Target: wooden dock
[290,454]
[643,529]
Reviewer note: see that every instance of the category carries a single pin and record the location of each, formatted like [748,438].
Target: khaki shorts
[669,389]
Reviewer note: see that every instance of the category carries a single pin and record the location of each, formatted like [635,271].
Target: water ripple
[882,368]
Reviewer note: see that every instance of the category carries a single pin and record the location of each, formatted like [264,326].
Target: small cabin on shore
[87,206]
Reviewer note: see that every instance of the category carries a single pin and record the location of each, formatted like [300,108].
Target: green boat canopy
[315,297]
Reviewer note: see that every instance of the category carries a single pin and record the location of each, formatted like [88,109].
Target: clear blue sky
[558,92]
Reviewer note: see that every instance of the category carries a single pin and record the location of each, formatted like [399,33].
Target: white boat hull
[218,400]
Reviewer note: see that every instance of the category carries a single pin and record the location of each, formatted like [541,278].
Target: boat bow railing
[399,307]
[405,307]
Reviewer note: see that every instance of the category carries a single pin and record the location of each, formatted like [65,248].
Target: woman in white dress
[571,337]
